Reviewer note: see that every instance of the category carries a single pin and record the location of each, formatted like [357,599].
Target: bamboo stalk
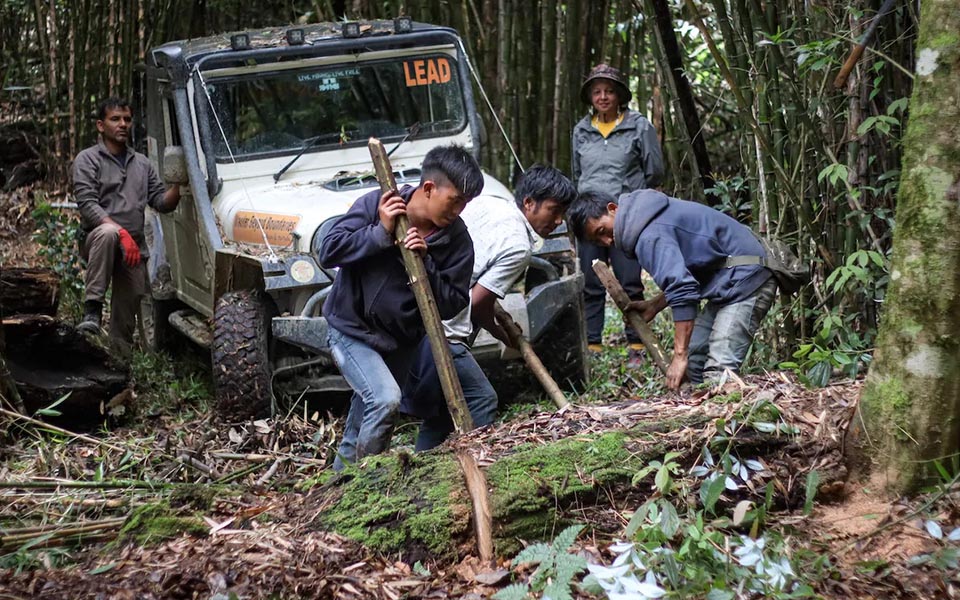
[271,471]
[9,535]
[529,356]
[620,298]
[482,519]
[50,427]
[113,484]
[462,421]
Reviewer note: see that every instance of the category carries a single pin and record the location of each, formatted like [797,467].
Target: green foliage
[166,382]
[843,340]
[674,547]
[733,196]
[556,568]
[56,235]
[665,471]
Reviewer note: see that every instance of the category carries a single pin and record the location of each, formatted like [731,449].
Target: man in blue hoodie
[693,253]
[375,324]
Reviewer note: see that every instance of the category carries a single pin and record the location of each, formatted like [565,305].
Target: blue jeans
[376,395]
[722,334]
[423,395]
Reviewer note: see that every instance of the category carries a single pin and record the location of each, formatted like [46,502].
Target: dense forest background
[741,91]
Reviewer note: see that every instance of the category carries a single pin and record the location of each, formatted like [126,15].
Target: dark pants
[594,294]
[423,395]
[105,265]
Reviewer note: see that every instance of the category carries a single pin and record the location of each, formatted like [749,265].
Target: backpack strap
[741,261]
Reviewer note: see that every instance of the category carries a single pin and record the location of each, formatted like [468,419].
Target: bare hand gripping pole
[462,421]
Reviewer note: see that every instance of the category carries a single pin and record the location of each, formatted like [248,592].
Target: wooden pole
[529,356]
[621,299]
[462,421]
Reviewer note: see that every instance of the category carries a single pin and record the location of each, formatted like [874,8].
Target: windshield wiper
[309,143]
[412,132]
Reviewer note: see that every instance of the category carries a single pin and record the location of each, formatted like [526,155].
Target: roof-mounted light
[351,29]
[240,41]
[402,25]
[295,37]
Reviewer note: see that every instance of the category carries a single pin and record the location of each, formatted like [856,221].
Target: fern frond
[514,591]
[565,539]
[534,553]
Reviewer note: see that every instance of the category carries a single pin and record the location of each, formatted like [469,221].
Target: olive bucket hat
[605,71]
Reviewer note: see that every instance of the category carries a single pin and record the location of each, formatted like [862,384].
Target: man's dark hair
[588,205]
[457,166]
[113,102]
[541,182]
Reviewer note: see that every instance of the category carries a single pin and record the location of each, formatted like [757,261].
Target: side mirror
[174,165]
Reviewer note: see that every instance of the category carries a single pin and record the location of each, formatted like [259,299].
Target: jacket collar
[106,152]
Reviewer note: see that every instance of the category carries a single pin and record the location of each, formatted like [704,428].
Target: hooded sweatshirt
[683,246]
[371,299]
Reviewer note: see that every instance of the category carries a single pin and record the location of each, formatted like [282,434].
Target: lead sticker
[302,271]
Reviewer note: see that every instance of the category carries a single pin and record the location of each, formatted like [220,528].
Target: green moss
[529,484]
[196,496]
[886,402]
[403,502]
[945,40]
[154,523]
[727,399]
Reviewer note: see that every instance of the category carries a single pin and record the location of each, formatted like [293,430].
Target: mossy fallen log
[416,505]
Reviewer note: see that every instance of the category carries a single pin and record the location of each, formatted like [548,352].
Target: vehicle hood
[289,213]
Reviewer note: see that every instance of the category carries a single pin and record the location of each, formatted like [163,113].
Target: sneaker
[595,348]
[92,311]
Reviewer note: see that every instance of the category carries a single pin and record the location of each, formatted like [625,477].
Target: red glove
[131,252]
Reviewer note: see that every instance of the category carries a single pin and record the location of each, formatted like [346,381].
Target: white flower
[750,553]
[778,572]
[607,573]
[646,589]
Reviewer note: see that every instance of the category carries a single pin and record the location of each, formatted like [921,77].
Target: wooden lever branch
[462,421]
[621,299]
[529,356]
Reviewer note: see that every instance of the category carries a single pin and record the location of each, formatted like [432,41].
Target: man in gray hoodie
[693,253]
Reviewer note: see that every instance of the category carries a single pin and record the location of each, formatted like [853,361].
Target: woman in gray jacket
[615,151]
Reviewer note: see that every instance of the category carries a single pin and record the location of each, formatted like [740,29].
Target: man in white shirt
[504,234]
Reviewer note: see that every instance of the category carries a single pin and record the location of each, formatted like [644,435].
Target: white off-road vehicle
[267,131]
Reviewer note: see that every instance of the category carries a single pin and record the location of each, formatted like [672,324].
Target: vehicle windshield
[277,113]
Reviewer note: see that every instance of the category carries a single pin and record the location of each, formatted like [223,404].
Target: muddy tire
[241,355]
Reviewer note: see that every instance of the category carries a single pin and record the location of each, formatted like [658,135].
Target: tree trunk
[681,87]
[911,402]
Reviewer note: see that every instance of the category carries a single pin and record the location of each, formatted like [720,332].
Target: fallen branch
[56,429]
[477,488]
[18,537]
[92,485]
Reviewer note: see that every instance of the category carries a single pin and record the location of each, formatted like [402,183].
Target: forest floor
[159,500]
